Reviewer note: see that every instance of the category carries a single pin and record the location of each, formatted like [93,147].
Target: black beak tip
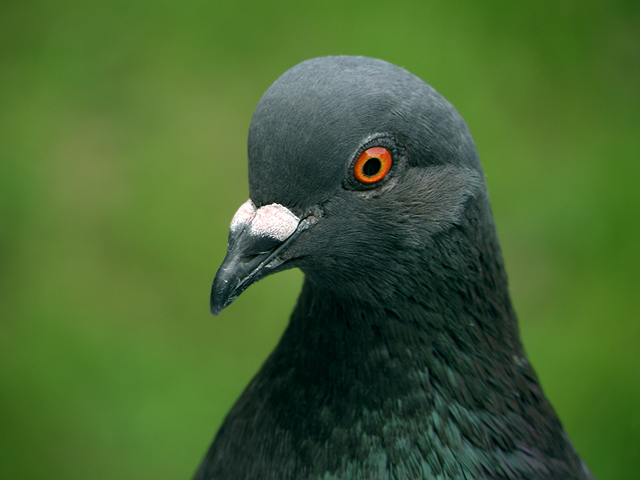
[221,297]
[216,307]
[215,311]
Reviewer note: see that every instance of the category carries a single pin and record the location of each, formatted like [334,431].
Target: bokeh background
[122,146]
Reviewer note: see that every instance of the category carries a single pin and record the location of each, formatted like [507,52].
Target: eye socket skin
[372,165]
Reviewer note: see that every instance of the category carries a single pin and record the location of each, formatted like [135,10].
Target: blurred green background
[122,145]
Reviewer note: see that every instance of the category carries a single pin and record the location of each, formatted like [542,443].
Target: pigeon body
[402,358]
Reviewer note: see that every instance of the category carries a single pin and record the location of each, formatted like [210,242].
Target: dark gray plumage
[402,359]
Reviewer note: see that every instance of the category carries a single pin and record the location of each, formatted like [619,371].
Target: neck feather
[436,378]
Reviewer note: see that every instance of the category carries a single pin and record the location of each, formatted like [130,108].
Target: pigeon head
[355,165]
[402,357]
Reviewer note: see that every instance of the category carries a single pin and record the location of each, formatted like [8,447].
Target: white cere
[244,215]
[274,220]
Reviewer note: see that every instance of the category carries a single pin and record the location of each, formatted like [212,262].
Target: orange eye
[372,165]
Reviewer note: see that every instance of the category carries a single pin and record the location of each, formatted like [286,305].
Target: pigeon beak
[257,237]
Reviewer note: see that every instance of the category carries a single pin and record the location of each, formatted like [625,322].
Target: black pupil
[371,167]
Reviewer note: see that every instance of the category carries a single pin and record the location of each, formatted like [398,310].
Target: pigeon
[402,357]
